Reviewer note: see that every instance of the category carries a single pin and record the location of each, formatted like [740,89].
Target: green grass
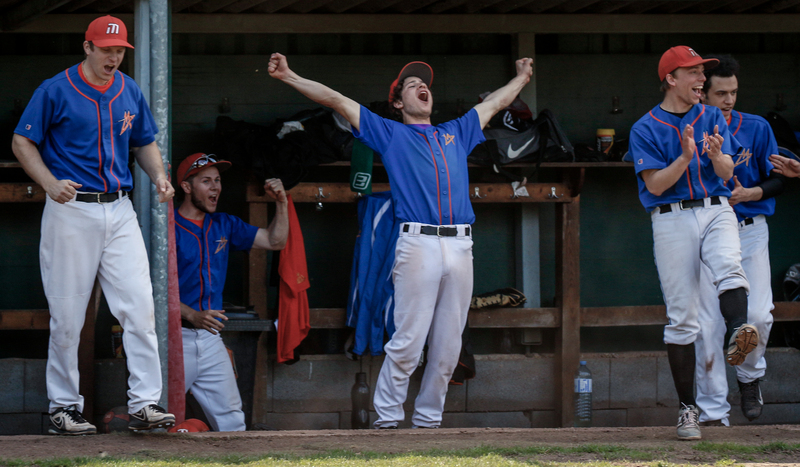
[721,455]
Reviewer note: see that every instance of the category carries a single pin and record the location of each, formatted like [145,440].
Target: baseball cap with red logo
[107,31]
[199,161]
[421,70]
[682,57]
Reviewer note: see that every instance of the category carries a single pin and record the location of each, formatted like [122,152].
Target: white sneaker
[150,417]
[68,421]
[688,427]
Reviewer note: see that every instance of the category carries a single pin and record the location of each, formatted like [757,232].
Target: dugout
[585,265]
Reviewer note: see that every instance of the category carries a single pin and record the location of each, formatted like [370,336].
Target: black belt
[748,221]
[186,324]
[689,204]
[100,197]
[439,230]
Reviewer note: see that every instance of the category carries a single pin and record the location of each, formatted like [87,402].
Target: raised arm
[317,92]
[503,97]
[274,236]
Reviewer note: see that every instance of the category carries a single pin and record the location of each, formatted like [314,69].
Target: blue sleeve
[241,234]
[468,130]
[374,131]
[35,120]
[644,152]
[144,131]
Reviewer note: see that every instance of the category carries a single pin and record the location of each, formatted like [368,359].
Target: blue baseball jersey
[370,307]
[427,167]
[84,135]
[203,256]
[655,143]
[752,165]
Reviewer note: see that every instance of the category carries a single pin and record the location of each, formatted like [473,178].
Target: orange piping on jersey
[99,134]
[697,153]
[740,123]
[111,129]
[199,271]
[436,167]
[680,138]
[446,168]
[208,261]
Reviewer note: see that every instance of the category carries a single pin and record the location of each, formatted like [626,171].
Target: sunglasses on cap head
[203,161]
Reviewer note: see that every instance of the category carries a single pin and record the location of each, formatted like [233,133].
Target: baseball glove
[500,298]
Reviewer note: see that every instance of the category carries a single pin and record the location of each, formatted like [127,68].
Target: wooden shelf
[21,193]
[24,320]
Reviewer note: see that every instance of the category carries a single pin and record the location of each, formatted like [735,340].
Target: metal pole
[159,249]
[141,63]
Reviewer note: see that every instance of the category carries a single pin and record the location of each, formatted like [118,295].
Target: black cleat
[751,399]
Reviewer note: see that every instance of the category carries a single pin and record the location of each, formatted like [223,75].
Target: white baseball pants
[432,291]
[209,375]
[81,241]
[682,241]
[710,376]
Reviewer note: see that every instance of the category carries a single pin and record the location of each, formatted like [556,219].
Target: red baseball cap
[191,425]
[107,31]
[421,70]
[199,161]
[682,57]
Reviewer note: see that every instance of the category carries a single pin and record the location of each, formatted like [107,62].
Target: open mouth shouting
[697,90]
[423,95]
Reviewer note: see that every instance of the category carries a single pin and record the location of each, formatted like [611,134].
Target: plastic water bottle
[583,396]
[360,397]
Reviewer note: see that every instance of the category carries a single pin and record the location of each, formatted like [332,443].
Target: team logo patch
[743,158]
[113,28]
[640,161]
[221,244]
[300,278]
[448,139]
[694,54]
[127,121]
[361,181]
[28,126]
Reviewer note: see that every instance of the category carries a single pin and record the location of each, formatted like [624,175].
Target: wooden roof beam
[641,6]
[744,5]
[180,5]
[543,5]
[410,6]
[606,7]
[242,5]
[781,5]
[28,11]
[374,6]
[479,5]
[106,6]
[304,6]
[510,5]
[272,6]
[445,5]
[76,5]
[572,6]
[212,6]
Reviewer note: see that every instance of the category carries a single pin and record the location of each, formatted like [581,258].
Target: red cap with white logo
[107,31]
[682,57]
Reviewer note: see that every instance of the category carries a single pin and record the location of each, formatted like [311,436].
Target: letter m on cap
[691,51]
[113,28]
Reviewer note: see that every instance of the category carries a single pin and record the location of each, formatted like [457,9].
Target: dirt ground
[657,440]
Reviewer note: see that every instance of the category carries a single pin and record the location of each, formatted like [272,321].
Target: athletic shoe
[687,422]
[68,421]
[149,418]
[386,427]
[751,399]
[743,341]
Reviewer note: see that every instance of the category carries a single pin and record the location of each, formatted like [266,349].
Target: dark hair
[728,66]
[397,95]
[664,84]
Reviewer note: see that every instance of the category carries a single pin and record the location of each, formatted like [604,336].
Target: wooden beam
[304,6]
[515,318]
[340,6]
[542,5]
[478,5]
[446,5]
[180,5]
[335,192]
[108,5]
[781,5]
[510,5]
[568,293]
[786,311]
[375,6]
[431,23]
[744,5]
[623,316]
[642,6]
[572,6]
[77,5]
[409,6]
[21,193]
[28,11]
[24,320]
[272,6]
[210,6]
[242,5]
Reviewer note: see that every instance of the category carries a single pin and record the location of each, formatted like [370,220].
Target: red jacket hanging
[293,321]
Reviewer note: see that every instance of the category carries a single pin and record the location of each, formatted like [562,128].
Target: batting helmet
[791,283]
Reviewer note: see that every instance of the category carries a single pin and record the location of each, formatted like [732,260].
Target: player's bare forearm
[723,166]
[317,92]
[503,97]
[29,157]
[658,181]
[205,319]
[149,159]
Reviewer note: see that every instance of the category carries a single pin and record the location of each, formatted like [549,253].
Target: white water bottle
[583,396]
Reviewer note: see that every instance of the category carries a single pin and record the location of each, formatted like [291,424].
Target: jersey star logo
[126,121]
[448,139]
[300,278]
[221,244]
[743,158]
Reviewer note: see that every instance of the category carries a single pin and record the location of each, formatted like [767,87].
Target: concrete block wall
[630,389]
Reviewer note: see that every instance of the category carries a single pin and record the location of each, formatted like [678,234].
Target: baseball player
[681,150]
[754,185]
[427,168]
[74,139]
[204,238]
[785,166]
